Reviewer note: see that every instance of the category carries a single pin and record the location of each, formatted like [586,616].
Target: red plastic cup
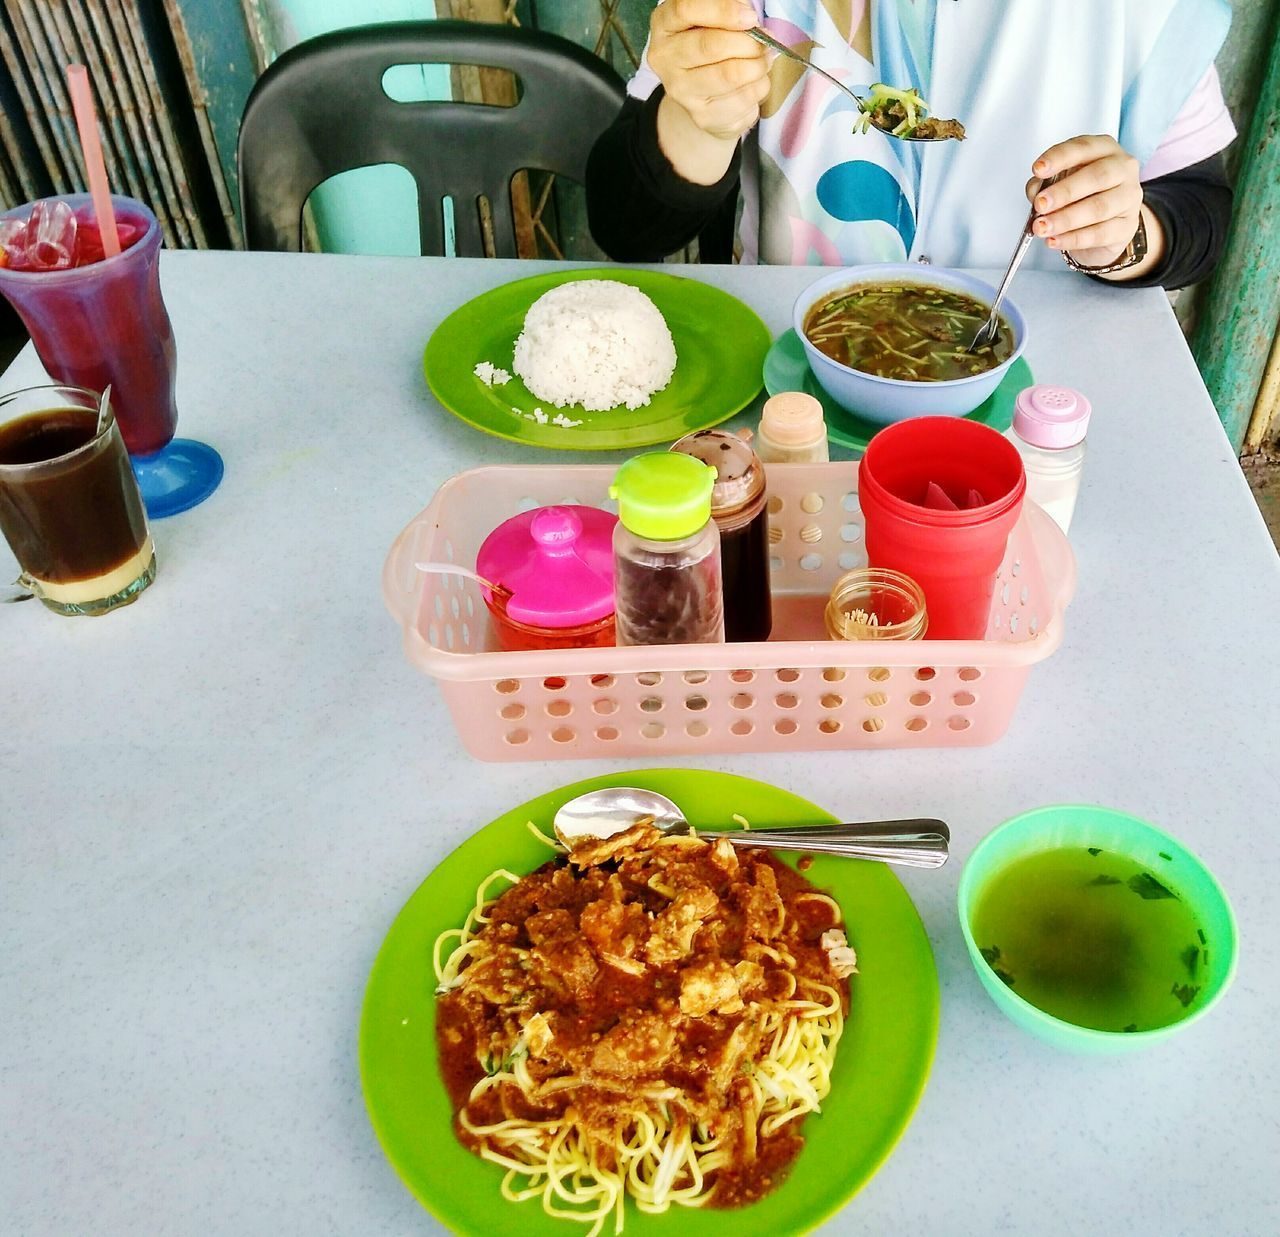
[952,554]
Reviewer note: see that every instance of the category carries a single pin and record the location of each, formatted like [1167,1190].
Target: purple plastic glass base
[177,477]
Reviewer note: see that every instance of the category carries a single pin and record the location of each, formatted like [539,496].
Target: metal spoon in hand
[921,843]
[991,327]
[767,40]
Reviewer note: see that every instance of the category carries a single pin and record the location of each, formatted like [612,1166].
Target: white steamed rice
[595,342]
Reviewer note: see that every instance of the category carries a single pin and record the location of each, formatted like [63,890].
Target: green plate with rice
[720,346]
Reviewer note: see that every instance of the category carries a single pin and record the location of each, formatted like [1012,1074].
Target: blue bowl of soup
[888,341]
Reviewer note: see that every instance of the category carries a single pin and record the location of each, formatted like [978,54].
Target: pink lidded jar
[553,568]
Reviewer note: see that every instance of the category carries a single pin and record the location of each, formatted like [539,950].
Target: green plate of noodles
[881,1066]
[720,345]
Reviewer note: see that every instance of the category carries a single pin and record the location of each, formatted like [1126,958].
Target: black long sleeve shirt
[640,209]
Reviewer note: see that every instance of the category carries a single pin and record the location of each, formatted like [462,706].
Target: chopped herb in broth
[1078,944]
[910,331]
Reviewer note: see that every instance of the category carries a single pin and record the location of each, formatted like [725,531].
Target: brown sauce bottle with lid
[739,508]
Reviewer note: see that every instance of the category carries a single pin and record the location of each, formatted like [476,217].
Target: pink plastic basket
[797,692]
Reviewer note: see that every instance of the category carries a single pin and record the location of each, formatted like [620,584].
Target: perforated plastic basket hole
[556,684]
[653,730]
[433,634]
[1004,595]
[563,734]
[604,706]
[877,700]
[917,724]
[449,640]
[448,550]
[811,562]
[925,673]
[559,708]
[878,674]
[848,560]
[1017,566]
[527,504]
[455,606]
[1013,624]
[958,723]
[850,533]
[1024,596]
[812,503]
[786,700]
[695,730]
[787,675]
[602,681]
[964,699]
[695,703]
[776,534]
[776,563]
[743,676]
[811,534]
[873,724]
[785,725]
[833,674]
[742,700]
[466,634]
[741,727]
[651,704]
[439,606]
[512,712]
[650,678]
[694,677]
[518,736]
[849,502]
[471,606]
[1034,625]
[830,725]
[832,700]
[507,686]
[607,733]
[775,505]
[920,699]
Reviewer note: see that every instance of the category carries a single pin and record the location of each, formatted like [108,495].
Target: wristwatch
[1133,253]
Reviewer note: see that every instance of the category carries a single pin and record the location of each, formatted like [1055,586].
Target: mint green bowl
[1050,828]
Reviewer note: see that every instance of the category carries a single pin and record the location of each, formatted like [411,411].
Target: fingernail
[1042,202]
[1040,167]
[1042,227]
[1052,242]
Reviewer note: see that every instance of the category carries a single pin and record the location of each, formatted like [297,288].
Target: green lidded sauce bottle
[666,551]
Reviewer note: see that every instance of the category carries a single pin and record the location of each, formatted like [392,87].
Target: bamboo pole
[1238,323]
[1264,425]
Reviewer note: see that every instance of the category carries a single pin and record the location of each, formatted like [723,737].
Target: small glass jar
[874,603]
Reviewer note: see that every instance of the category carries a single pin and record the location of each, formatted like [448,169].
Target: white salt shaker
[1049,426]
[792,430]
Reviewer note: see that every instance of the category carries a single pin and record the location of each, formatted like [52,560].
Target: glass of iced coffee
[69,502]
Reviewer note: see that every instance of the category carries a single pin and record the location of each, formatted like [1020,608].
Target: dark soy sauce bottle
[739,508]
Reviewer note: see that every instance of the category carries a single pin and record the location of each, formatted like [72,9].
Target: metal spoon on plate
[919,843]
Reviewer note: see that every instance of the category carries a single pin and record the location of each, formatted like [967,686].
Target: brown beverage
[69,504]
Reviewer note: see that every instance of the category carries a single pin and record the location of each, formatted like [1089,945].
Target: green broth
[1093,938]
[910,331]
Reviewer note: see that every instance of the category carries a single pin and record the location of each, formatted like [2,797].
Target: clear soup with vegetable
[911,331]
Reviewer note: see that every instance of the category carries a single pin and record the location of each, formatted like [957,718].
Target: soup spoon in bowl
[921,843]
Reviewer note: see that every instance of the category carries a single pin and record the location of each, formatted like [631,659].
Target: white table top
[216,800]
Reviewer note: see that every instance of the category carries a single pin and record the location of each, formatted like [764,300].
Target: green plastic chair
[321,109]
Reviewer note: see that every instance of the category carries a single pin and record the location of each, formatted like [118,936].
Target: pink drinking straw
[91,148]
